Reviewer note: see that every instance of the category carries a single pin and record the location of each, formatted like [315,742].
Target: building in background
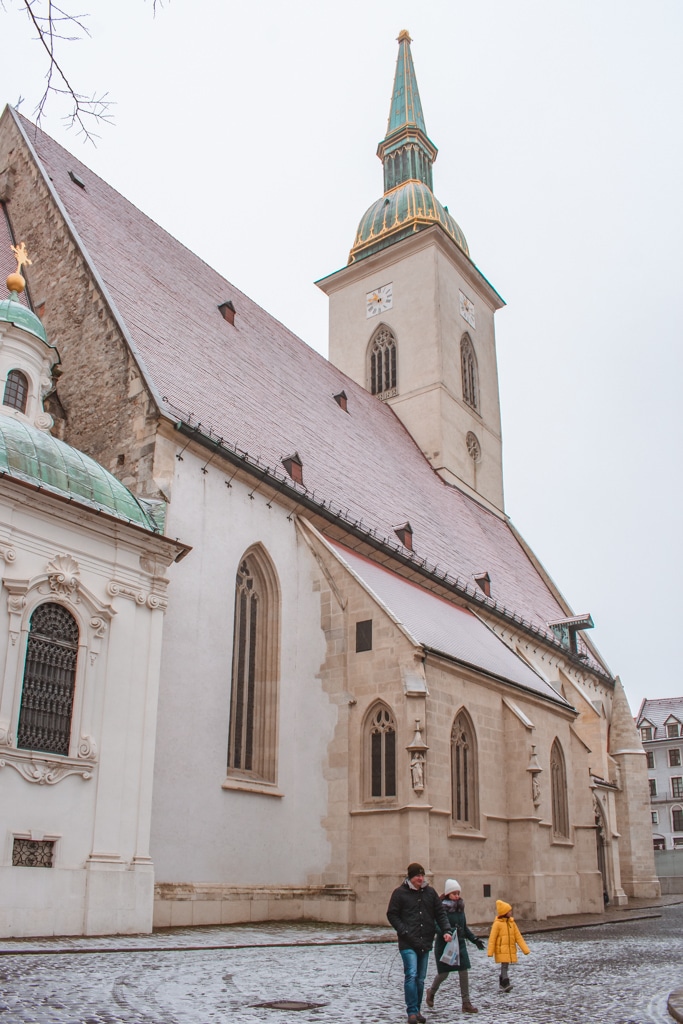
[363,664]
[660,723]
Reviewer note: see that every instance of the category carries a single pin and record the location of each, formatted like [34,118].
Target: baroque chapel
[306,644]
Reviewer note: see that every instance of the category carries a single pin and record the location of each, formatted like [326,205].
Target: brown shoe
[420,1019]
[412,1018]
[468,1008]
[429,998]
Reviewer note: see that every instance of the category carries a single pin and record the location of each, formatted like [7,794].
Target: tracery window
[16,391]
[470,377]
[380,744]
[49,677]
[558,784]
[254,694]
[383,357]
[464,773]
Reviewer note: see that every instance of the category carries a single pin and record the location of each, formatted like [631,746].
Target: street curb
[674,1004]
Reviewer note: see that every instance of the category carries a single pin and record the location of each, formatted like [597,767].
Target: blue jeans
[415,968]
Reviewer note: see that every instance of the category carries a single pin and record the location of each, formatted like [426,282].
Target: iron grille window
[558,782]
[382,753]
[383,376]
[32,853]
[16,391]
[468,363]
[49,677]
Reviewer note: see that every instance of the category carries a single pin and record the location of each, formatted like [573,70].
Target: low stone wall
[181,905]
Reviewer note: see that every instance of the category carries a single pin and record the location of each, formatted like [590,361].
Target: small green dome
[35,457]
[409,208]
[13,312]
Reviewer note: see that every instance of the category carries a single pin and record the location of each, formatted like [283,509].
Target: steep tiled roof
[657,713]
[261,388]
[444,627]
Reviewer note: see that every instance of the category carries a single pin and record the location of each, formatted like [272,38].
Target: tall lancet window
[16,391]
[47,694]
[470,377]
[558,789]
[383,370]
[252,744]
[464,773]
[380,745]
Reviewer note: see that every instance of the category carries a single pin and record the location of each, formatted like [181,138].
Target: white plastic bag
[451,953]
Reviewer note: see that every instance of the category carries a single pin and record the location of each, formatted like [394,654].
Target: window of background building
[677,787]
[653,787]
[674,758]
[655,817]
[677,819]
[646,733]
[650,754]
[672,730]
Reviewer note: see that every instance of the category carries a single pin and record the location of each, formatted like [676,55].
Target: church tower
[411,316]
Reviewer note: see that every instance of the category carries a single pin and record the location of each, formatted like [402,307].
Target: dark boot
[468,1008]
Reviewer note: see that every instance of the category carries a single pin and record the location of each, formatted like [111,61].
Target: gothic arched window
[558,789]
[464,774]
[16,391]
[383,375]
[254,698]
[470,376]
[379,737]
[47,694]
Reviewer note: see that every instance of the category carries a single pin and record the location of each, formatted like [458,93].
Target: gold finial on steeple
[404,36]
[15,282]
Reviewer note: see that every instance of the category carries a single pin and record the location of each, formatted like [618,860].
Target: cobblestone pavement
[616,974]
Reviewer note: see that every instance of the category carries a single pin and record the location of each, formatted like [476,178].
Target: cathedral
[268,633]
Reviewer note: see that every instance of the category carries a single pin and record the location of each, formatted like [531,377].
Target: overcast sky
[249,132]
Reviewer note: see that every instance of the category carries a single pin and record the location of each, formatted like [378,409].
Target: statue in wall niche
[417,771]
[535,790]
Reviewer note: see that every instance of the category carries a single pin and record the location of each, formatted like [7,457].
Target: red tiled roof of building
[259,387]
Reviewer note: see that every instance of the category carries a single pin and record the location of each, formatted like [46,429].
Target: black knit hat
[415,869]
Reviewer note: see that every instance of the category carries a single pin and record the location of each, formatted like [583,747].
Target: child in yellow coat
[503,941]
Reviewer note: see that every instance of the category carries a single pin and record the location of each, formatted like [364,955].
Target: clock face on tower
[379,300]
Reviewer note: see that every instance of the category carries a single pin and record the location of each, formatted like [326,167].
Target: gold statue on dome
[15,281]
[21,256]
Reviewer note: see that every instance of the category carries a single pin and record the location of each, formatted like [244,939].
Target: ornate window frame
[379,775]
[59,584]
[470,373]
[558,791]
[382,362]
[255,679]
[464,774]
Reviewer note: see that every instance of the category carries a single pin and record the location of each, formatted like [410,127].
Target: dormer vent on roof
[227,311]
[566,629]
[483,581]
[76,180]
[294,467]
[342,401]
[405,535]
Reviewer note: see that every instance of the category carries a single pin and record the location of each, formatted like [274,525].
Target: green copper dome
[37,458]
[14,312]
[409,208]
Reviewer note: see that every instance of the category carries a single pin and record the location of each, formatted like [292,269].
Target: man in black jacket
[414,911]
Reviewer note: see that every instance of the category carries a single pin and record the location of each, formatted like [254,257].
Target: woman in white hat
[455,909]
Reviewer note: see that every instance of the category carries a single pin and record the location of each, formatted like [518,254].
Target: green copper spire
[406,152]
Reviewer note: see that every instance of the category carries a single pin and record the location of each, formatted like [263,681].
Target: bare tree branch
[55,25]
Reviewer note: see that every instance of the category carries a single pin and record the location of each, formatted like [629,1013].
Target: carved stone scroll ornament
[117,589]
[64,575]
[7,553]
[44,772]
[5,734]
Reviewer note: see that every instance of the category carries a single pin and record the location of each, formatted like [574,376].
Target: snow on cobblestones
[616,974]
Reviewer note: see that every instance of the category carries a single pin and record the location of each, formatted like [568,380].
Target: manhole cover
[289,1004]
